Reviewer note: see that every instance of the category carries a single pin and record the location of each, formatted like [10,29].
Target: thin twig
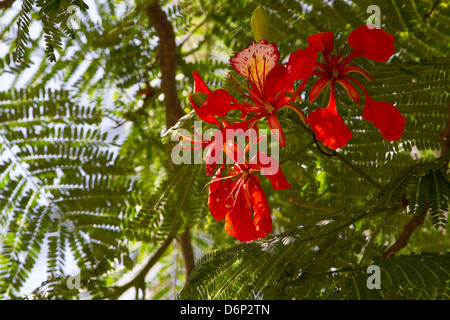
[332,154]
[432,9]
[139,279]
[349,164]
[311,206]
[358,170]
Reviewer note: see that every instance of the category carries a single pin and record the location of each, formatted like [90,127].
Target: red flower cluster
[238,198]
[235,192]
[327,124]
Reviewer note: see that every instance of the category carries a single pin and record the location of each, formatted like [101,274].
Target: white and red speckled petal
[260,57]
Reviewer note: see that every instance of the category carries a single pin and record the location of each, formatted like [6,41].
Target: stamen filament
[233,174]
[256,92]
[350,56]
[252,97]
[357,82]
[259,79]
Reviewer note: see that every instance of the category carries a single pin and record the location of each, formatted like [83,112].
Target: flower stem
[357,170]
[312,206]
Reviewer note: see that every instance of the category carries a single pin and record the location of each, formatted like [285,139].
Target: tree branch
[187,252]
[139,280]
[6,4]
[408,229]
[168,62]
[432,9]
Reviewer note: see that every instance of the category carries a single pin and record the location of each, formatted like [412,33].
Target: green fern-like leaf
[402,277]
[59,180]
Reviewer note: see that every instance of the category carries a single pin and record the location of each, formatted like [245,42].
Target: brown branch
[187,252]
[6,4]
[139,280]
[167,56]
[408,229]
[168,62]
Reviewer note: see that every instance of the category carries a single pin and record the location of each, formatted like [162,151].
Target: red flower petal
[302,63]
[234,152]
[318,87]
[270,167]
[328,125]
[349,69]
[260,56]
[351,90]
[385,117]
[218,103]
[277,82]
[239,222]
[230,220]
[322,42]
[262,217]
[276,129]
[251,219]
[220,201]
[202,114]
[374,44]
[213,155]
[199,84]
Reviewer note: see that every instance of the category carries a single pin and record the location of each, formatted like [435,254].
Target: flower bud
[260,24]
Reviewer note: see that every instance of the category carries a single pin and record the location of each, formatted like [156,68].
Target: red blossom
[238,198]
[215,146]
[216,104]
[270,86]
[327,124]
[235,192]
